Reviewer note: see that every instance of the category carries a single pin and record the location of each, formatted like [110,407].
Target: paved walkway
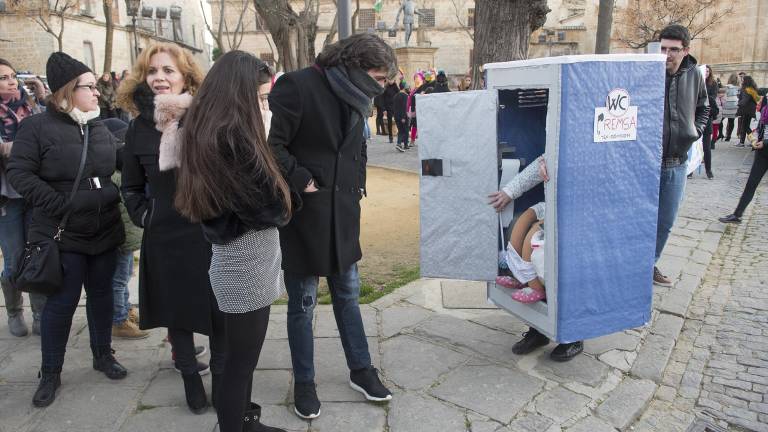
[451,367]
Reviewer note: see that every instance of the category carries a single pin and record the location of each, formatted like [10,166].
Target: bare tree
[41,13]
[503,29]
[458,7]
[641,22]
[226,38]
[108,5]
[292,33]
[604,24]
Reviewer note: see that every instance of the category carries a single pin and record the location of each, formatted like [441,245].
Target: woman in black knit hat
[43,168]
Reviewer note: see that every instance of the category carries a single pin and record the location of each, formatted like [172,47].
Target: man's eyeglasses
[91,87]
[671,50]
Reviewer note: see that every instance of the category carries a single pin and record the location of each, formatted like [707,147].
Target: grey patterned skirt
[245,273]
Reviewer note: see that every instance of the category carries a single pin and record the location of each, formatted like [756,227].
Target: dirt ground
[390,223]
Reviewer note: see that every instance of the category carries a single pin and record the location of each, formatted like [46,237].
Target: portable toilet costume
[597,119]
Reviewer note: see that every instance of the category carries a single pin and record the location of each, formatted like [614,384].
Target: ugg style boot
[195,393]
[252,421]
[46,390]
[13,303]
[128,330]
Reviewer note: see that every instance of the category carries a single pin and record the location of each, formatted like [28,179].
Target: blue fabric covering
[607,201]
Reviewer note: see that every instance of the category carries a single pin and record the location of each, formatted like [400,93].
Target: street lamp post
[132,10]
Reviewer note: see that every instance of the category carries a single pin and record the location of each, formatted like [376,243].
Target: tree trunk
[110,33]
[503,29]
[604,24]
[289,33]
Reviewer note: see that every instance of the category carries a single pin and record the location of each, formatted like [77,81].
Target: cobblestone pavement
[719,368]
[451,367]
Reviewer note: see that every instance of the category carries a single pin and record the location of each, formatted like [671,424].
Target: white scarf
[82,117]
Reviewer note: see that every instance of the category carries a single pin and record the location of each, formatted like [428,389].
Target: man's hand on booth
[543,170]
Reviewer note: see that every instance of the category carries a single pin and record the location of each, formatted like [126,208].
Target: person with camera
[61,163]
[15,105]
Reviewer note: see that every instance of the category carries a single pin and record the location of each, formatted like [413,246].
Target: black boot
[104,361]
[215,385]
[195,393]
[46,390]
[252,421]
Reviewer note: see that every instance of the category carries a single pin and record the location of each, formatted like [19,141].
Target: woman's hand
[757,145]
[37,87]
[543,170]
[499,200]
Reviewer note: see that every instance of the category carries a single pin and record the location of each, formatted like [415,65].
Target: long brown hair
[225,144]
[192,73]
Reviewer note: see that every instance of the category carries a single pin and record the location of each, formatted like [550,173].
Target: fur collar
[169,109]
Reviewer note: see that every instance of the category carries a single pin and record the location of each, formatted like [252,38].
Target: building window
[3,7]
[560,36]
[471,17]
[268,58]
[86,8]
[427,17]
[366,19]
[88,55]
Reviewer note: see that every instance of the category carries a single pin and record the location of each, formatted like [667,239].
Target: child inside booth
[524,255]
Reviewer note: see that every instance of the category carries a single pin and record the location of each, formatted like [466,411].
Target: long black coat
[43,164]
[312,138]
[174,289]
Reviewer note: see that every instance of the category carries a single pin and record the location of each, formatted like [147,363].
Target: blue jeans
[120,279]
[302,298]
[13,229]
[671,190]
[95,273]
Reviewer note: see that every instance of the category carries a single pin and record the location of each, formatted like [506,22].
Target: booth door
[457,145]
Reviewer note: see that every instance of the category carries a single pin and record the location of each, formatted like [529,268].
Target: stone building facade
[27,46]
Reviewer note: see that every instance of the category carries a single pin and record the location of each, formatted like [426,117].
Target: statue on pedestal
[408,9]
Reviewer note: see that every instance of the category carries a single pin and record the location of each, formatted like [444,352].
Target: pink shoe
[509,282]
[528,295]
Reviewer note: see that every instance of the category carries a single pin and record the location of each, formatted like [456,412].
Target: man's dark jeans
[95,273]
[302,298]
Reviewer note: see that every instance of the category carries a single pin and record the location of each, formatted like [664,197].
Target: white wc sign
[617,120]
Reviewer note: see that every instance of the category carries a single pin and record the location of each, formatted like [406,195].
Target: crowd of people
[237,187]
[229,211]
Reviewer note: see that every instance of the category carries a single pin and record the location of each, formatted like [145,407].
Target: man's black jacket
[686,109]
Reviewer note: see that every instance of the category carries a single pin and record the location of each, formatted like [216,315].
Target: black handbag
[39,270]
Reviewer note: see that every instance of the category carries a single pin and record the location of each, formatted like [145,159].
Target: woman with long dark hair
[230,181]
[714,111]
[748,100]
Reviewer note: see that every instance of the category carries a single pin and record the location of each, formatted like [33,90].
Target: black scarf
[355,87]
[144,99]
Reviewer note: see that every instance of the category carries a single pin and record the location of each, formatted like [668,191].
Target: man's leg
[759,167]
[389,126]
[302,297]
[345,294]
[671,189]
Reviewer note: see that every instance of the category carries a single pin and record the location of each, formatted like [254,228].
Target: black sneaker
[367,382]
[202,368]
[305,402]
[565,352]
[531,340]
[731,218]
[46,389]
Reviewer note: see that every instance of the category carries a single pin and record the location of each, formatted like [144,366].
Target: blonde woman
[174,291]
[43,168]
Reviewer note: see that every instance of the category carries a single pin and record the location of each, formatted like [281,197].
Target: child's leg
[520,230]
[527,250]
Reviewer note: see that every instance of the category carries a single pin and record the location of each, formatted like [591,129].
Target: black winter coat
[401,107]
[389,96]
[686,109]
[311,138]
[43,164]
[174,289]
